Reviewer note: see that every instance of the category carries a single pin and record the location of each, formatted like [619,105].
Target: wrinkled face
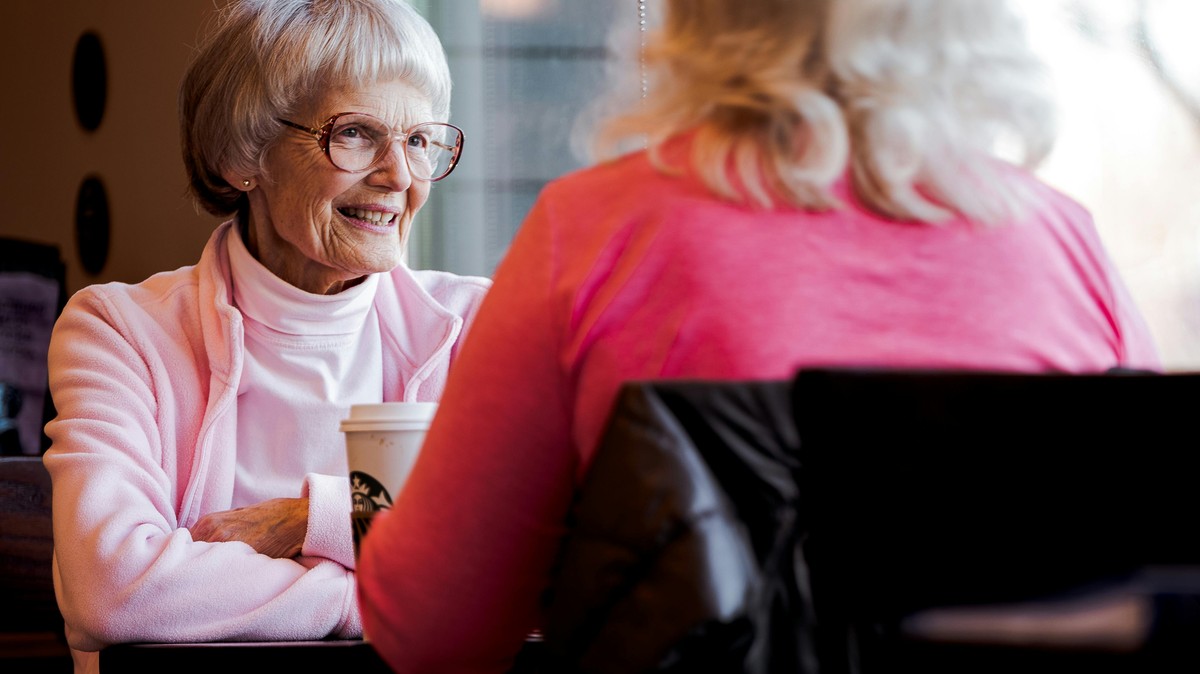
[321,228]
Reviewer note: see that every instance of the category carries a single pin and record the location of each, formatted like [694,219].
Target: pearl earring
[245,182]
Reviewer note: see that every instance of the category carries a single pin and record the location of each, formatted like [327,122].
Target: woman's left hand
[275,528]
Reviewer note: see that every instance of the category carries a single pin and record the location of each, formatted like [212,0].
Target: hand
[275,528]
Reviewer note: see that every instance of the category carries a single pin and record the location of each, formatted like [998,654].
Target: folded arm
[127,566]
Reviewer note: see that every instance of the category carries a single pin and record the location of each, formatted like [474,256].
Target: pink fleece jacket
[145,379]
[620,273]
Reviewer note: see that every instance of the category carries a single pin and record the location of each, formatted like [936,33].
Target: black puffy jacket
[685,547]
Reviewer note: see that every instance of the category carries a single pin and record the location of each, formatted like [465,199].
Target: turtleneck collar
[265,298]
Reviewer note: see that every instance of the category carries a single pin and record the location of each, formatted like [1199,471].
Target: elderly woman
[822,186]
[200,488]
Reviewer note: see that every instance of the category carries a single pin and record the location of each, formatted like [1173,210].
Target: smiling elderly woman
[200,487]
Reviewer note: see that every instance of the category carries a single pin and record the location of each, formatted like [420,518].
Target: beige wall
[45,155]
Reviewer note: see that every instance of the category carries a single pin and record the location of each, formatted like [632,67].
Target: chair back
[933,489]
[31,627]
[32,294]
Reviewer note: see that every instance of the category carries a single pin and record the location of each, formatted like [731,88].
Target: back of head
[914,99]
[262,59]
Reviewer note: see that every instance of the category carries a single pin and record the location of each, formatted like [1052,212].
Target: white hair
[263,59]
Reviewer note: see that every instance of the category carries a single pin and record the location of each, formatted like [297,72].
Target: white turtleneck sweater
[318,355]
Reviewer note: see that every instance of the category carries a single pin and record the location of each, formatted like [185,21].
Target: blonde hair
[917,98]
[264,58]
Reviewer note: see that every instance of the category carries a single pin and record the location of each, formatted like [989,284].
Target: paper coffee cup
[383,441]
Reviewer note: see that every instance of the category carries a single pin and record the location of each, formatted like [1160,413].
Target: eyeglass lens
[357,142]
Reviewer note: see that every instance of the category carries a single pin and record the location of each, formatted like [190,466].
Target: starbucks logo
[368,494]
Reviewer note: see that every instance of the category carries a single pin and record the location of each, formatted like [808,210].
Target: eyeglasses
[355,142]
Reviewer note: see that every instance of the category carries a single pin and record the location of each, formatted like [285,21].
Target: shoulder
[1044,200]
[166,312]
[119,327]
[164,296]
[627,177]
[639,190]
[160,298]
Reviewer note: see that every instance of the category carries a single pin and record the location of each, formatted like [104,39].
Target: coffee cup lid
[393,414]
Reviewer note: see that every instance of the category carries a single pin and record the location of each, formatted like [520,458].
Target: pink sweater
[621,273]
[145,378]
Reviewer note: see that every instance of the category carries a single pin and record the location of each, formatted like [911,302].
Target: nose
[392,171]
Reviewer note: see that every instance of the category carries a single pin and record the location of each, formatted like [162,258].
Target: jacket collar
[418,329]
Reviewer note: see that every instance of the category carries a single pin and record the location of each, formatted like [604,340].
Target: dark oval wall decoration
[92,225]
[89,81]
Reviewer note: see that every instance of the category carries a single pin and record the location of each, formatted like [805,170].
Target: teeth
[370,216]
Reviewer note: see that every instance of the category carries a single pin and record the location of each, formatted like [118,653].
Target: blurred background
[90,168]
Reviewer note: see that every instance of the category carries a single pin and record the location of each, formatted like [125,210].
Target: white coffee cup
[383,441]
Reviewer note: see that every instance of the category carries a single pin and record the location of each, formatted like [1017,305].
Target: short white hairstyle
[926,102]
[263,59]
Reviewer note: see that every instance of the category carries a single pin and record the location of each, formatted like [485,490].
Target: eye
[357,132]
[419,141]
[350,132]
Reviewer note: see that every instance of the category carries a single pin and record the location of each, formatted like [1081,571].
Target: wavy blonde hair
[917,98]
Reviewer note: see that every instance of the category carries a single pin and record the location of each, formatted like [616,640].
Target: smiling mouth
[374,217]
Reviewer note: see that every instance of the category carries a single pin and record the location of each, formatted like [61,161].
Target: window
[523,70]
[1127,74]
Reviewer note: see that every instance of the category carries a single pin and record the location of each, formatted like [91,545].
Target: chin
[386,263]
